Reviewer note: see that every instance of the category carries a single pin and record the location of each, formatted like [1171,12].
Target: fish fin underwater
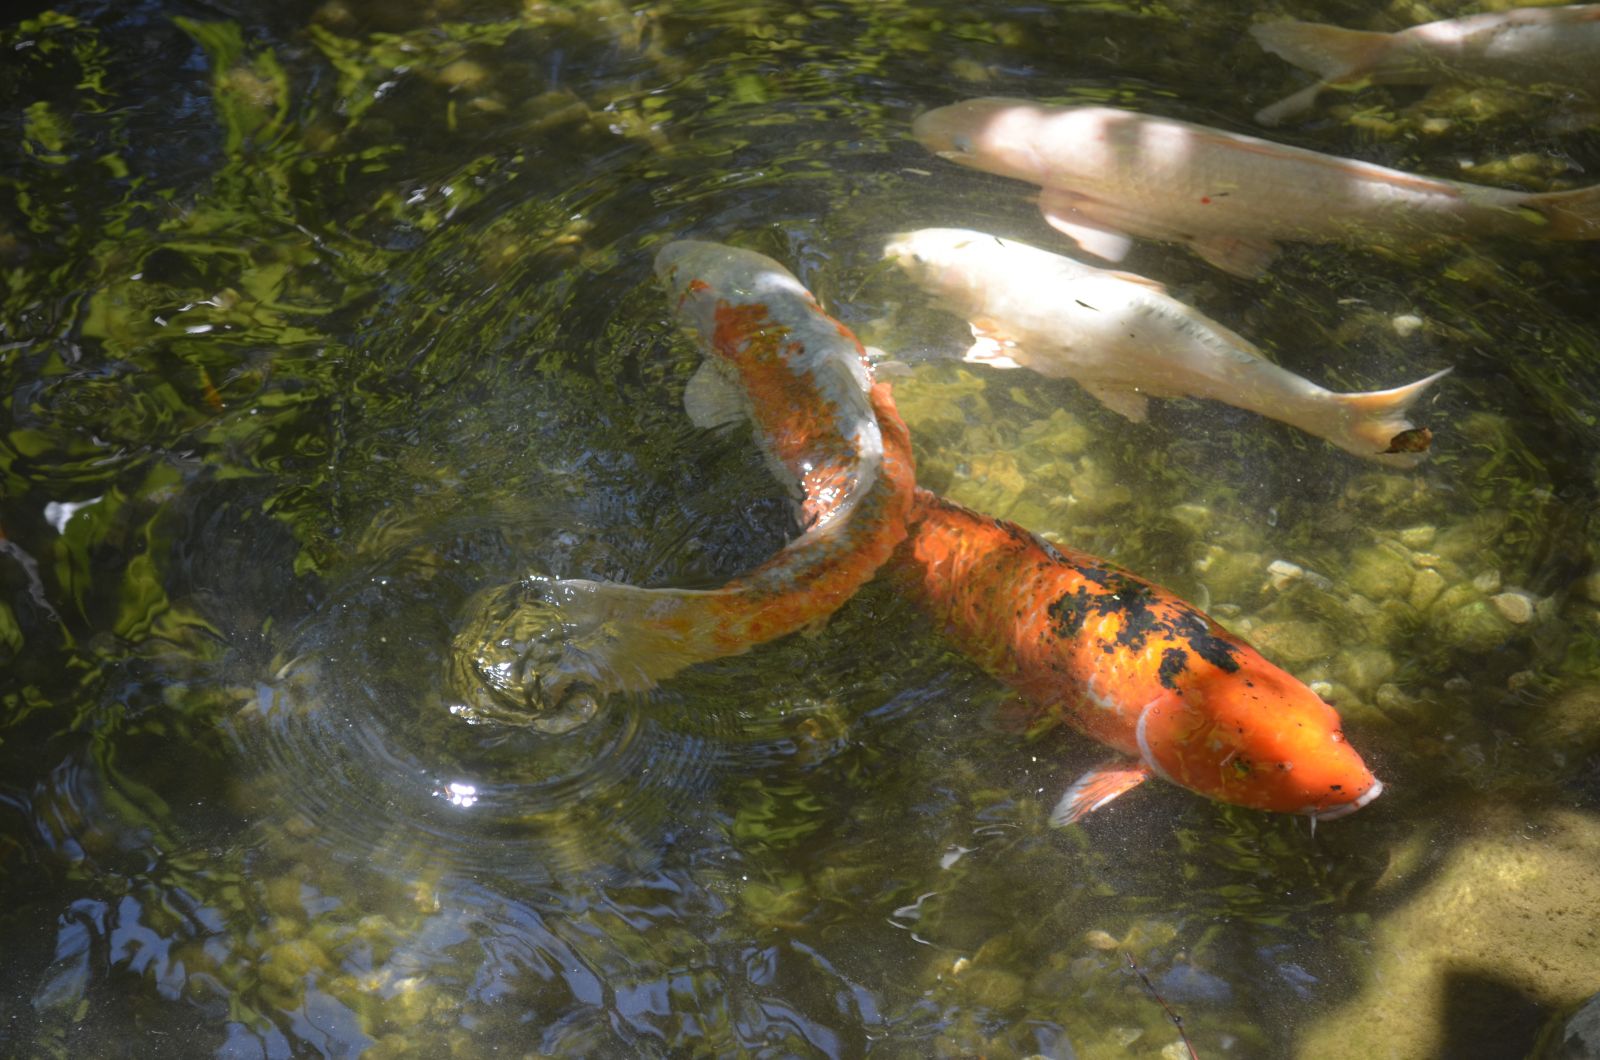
[1143,281]
[1065,212]
[991,345]
[1129,404]
[710,400]
[1333,53]
[1245,258]
[1096,788]
[1374,419]
[1573,215]
[1290,106]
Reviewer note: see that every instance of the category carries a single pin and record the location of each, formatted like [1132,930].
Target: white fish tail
[1572,214]
[1333,53]
[1372,419]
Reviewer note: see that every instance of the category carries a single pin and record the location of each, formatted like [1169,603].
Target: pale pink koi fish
[1555,46]
[1109,174]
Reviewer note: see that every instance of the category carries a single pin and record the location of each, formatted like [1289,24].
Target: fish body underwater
[1107,175]
[1553,46]
[1124,339]
[538,652]
[1130,665]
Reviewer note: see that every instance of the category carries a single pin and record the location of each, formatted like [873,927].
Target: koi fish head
[1254,736]
[941,260]
[698,276]
[995,135]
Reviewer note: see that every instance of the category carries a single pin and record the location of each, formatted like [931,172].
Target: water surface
[320,318]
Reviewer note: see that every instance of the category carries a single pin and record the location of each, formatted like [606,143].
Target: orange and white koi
[1124,339]
[540,651]
[1129,664]
[1109,174]
[1555,46]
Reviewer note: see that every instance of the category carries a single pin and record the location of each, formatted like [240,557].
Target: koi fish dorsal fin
[1133,277]
[712,401]
[1248,258]
[1124,402]
[1096,788]
[1064,212]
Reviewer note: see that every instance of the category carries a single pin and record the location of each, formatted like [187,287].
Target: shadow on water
[320,317]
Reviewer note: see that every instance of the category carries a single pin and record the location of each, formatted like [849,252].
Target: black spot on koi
[1143,616]
[1174,661]
[1213,649]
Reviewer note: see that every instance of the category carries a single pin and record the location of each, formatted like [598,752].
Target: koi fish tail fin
[1375,424]
[1333,53]
[1572,214]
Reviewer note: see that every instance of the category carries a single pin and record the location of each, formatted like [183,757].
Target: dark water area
[320,317]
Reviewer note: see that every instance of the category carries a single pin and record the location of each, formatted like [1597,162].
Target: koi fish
[1532,46]
[540,651]
[1130,665]
[1124,339]
[1111,174]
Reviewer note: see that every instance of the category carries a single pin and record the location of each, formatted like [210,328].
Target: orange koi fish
[1109,174]
[1129,664]
[540,651]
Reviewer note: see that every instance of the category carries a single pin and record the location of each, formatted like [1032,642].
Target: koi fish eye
[961,142]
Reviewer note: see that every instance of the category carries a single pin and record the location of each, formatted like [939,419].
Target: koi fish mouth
[1345,809]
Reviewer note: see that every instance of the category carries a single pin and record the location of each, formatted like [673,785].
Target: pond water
[321,317]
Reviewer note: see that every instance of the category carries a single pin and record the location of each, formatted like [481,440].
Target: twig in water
[1177,1020]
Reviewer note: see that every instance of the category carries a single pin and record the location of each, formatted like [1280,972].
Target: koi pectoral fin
[1124,402]
[1068,214]
[711,400]
[1096,788]
[991,346]
[1247,258]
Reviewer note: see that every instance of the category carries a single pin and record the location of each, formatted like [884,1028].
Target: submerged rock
[1379,573]
[1364,668]
[1464,617]
[1294,641]
[1425,588]
[1517,607]
[1578,1037]
[1491,938]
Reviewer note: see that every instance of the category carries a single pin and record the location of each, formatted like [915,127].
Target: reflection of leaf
[45,134]
[142,600]
[251,95]
[776,815]
[10,633]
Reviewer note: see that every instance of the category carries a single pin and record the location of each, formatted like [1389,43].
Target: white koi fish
[1111,174]
[1557,46]
[1124,339]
